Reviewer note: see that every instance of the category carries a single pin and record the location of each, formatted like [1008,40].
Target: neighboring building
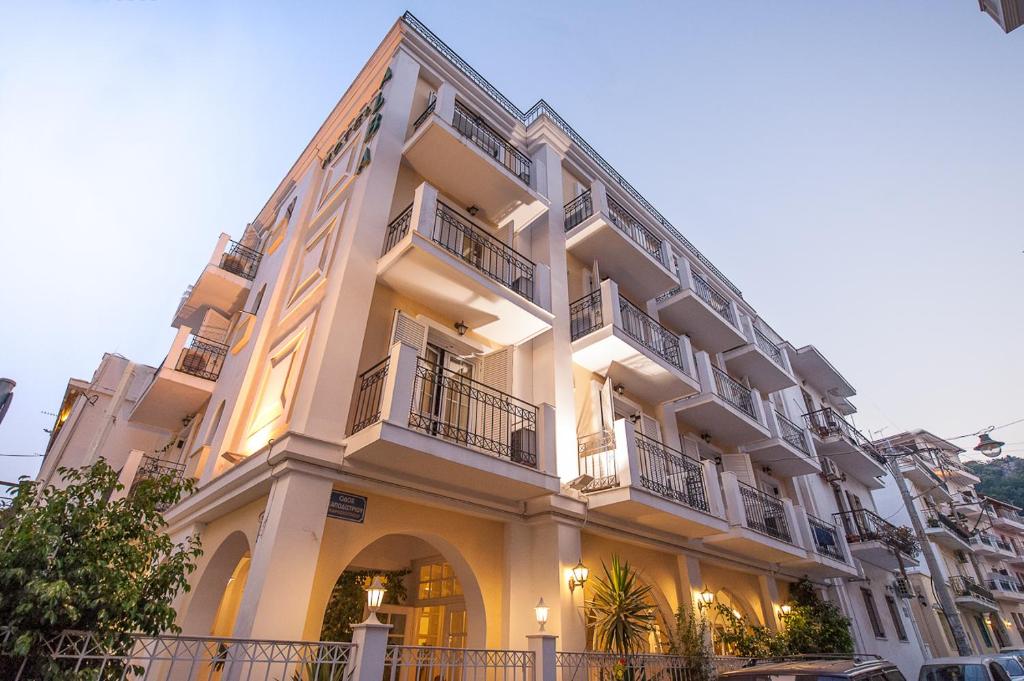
[456,341]
[1009,14]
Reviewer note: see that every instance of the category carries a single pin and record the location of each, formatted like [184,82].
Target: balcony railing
[764,513]
[983,539]
[768,347]
[152,468]
[733,392]
[497,147]
[241,260]
[635,230]
[370,395]
[827,422]
[426,112]
[713,298]
[578,210]
[597,459]
[649,333]
[863,525]
[792,433]
[397,229]
[585,315]
[202,357]
[935,518]
[826,538]
[671,474]
[1007,584]
[452,406]
[967,587]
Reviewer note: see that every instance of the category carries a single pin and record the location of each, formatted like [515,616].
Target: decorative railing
[595,666]
[1003,546]
[635,230]
[1005,584]
[863,525]
[370,395]
[202,357]
[826,538]
[457,408]
[983,539]
[426,663]
[768,347]
[710,295]
[397,229]
[152,468]
[499,261]
[827,422]
[473,127]
[585,315]
[936,519]
[426,112]
[578,210]
[792,433]
[764,513]
[671,474]
[733,392]
[967,587]
[241,260]
[646,330]
[597,459]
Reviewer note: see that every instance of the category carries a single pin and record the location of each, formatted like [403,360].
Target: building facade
[457,346]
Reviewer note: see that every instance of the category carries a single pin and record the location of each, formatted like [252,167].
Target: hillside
[1002,478]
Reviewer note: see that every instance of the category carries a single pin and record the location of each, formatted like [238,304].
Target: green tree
[348,597]
[72,558]
[689,639]
[620,609]
[815,625]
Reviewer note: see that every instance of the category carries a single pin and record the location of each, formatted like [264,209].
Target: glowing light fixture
[375,597]
[706,598]
[989,447]
[579,576]
[541,612]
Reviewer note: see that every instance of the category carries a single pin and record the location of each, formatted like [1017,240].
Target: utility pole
[946,602]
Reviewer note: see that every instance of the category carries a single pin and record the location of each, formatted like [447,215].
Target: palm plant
[620,609]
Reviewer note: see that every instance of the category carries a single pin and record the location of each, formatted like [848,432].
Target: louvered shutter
[405,329]
[740,465]
[505,423]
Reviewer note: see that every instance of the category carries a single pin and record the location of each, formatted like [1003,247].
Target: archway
[657,640]
[741,613]
[215,599]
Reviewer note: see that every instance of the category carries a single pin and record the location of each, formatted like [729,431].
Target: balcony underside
[749,360]
[686,313]
[1014,597]
[420,269]
[976,604]
[943,536]
[641,507]
[437,462]
[610,352]
[463,171]
[636,271]
[171,397]
[814,368]
[216,288]
[823,567]
[727,425]
[783,457]
[925,482]
[852,459]
[879,554]
[747,542]
[1007,524]
[982,549]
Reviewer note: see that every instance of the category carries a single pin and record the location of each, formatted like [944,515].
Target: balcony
[698,309]
[984,545]
[598,228]
[812,366]
[455,149]
[827,552]
[727,411]
[924,478]
[759,524]
[761,360]
[223,285]
[968,504]
[639,480]
[946,531]
[875,540]
[141,466]
[1007,519]
[614,338]
[789,451]
[972,596]
[415,421]
[183,383]
[1004,588]
[440,259]
[846,446]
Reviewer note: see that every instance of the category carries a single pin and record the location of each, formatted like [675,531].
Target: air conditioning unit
[831,471]
[903,588]
[524,446]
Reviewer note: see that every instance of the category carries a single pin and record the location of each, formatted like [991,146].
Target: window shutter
[606,420]
[405,329]
[650,427]
[495,369]
[740,465]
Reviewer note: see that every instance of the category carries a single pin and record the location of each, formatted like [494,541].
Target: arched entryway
[213,607]
[728,610]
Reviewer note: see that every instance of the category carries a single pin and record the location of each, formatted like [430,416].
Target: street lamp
[541,612]
[374,597]
[989,447]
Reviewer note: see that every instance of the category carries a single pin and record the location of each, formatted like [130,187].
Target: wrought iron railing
[595,666]
[934,518]
[669,473]
[153,467]
[863,525]
[1005,584]
[733,392]
[426,112]
[202,357]
[826,538]
[585,315]
[473,127]
[768,347]
[597,459]
[764,513]
[983,539]
[827,422]
[370,395]
[710,295]
[578,210]
[241,260]
[646,330]
[966,587]
[636,231]
[792,433]
[397,229]
[433,663]
[1004,546]
[449,405]
[499,261]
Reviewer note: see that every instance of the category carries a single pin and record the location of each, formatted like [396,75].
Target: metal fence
[862,525]
[647,331]
[768,347]
[733,392]
[202,357]
[967,588]
[826,538]
[578,210]
[792,433]
[636,231]
[370,395]
[764,513]
[710,295]
[397,229]
[827,422]
[473,127]
[241,260]
[428,663]
[585,315]
[670,473]
[597,459]
[595,666]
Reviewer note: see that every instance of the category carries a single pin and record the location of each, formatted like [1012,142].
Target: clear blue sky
[855,167]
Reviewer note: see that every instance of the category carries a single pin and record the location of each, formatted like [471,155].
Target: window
[437,580]
[869,605]
[980,621]
[1011,665]
[897,620]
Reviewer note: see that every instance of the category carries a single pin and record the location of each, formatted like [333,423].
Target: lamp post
[541,613]
[374,598]
[987,446]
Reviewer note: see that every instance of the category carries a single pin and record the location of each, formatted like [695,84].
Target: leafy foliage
[71,558]
[345,607]
[689,638]
[621,610]
[1001,478]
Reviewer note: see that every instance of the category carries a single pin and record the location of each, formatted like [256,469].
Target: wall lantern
[461,328]
[785,609]
[579,576]
[541,612]
[375,597]
[706,599]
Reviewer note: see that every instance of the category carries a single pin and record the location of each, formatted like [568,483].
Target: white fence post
[371,643]
[543,648]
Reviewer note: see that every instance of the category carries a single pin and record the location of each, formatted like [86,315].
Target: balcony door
[445,397]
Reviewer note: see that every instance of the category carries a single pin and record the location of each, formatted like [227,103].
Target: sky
[855,167]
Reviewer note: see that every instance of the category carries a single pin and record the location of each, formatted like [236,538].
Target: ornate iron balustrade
[827,422]
[733,392]
[669,473]
[764,513]
[934,518]
[202,357]
[768,347]
[792,433]
[863,525]
[1000,544]
[397,229]
[713,298]
[635,230]
[585,315]
[966,587]
[1006,584]
[646,330]
[152,467]
[578,210]
[826,538]
[370,395]
[454,407]
[474,128]
[597,459]
[423,663]
[499,261]
[426,112]
[241,260]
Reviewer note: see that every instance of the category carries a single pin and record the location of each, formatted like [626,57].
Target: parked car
[1001,667]
[820,669]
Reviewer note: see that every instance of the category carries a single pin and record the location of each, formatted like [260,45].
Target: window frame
[897,618]
[873,616]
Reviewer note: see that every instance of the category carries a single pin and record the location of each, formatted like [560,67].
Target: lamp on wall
[374,597]
[705,600]
[541,612]
[578,577]
[785,609]
[461,328]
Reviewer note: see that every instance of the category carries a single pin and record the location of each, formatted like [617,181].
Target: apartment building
[1009,14]
[457,342]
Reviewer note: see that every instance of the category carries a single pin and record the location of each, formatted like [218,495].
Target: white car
[999,667]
